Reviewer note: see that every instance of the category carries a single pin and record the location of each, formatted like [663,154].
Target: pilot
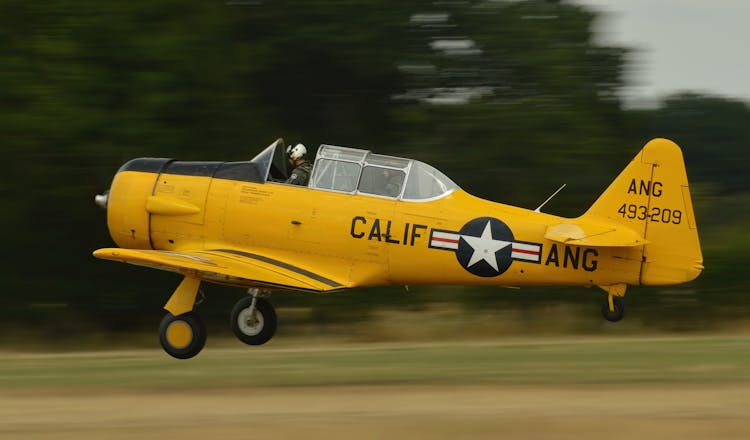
[301,166]
[393,180]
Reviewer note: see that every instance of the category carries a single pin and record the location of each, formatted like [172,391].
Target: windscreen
[264,159]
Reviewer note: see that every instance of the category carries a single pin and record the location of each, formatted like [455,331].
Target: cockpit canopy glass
[337,175]
[351,170]
[381,181]
[342,153]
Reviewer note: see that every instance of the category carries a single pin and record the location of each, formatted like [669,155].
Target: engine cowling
[127,216]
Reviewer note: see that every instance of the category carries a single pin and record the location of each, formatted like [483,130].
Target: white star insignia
[485,247]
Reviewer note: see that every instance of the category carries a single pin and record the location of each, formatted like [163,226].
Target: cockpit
[351,170]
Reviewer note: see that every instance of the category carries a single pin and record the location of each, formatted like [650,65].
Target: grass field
[686,388]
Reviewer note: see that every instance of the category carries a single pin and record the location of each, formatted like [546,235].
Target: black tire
[253,333]
[183,336]
[617,314]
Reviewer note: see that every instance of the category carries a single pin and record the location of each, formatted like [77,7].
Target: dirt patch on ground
[440,412]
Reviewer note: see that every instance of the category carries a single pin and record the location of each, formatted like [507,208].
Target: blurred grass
[564,361]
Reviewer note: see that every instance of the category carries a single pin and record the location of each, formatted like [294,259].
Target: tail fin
[652,198]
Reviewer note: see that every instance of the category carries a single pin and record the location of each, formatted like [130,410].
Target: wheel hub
[250,322]
[179,334]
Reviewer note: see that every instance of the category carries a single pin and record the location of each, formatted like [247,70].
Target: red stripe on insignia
[524,251]
[447,240]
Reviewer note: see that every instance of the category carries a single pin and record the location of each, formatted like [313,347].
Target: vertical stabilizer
[651,197]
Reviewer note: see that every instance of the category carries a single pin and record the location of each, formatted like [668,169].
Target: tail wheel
[182,336]
[253,325]
[619,310]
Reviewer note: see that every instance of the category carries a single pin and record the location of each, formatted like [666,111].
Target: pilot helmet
[296,152]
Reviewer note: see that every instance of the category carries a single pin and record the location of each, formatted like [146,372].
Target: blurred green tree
[502,88]
[714,134]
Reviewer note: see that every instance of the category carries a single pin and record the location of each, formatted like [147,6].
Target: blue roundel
[485,247]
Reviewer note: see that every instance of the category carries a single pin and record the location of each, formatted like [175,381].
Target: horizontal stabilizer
[582,232]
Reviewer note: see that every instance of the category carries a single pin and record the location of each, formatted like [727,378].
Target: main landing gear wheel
[182,336]
[253,320]
[617,314]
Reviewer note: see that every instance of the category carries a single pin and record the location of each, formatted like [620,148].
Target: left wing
[228,266]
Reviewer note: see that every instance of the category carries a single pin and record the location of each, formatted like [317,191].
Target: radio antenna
[550,198]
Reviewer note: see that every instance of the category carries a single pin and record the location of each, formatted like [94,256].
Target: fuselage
[365,240]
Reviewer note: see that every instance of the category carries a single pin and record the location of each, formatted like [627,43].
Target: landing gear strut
[182,332]
[614,308]
[253,318]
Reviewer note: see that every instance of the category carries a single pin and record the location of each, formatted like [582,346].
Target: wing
[586,232]
[227,266]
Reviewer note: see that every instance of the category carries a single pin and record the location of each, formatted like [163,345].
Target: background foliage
[510,99]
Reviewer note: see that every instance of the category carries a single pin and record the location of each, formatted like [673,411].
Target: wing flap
[590,233]
[227,266]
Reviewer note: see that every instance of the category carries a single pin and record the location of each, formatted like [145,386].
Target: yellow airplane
[372,220]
